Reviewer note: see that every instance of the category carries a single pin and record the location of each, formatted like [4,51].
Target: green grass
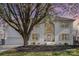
[72,52]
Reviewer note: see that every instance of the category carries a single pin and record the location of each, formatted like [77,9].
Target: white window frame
[64,36]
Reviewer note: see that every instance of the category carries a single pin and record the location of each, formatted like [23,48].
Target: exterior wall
[59,31]
[42,38]
[40,31]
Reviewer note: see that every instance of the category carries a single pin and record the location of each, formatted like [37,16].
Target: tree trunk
[26,38]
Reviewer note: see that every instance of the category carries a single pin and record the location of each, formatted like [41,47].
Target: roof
[58,18]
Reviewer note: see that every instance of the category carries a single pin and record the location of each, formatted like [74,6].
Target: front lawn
[72,52]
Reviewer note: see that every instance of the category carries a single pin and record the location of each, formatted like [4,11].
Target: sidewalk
[7,47]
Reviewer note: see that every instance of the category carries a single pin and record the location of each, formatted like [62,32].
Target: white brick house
[50,31]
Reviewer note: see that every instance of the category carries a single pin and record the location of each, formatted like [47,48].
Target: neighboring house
[8,36]
[53,30]
[76,30]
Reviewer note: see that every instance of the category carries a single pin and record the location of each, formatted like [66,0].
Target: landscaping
[72,52]
[66,52]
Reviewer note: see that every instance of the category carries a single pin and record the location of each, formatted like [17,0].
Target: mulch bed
[43,48]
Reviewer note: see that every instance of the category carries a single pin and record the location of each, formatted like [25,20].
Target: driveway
[7,47]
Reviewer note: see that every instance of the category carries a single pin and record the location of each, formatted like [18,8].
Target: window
[64,25]
[34,37]
[49,37]
[64,36]
[48,27]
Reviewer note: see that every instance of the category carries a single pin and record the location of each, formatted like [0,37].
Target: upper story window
[64,36]
[64,25]
[48,27]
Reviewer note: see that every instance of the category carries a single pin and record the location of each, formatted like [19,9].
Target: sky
[69,10]
[66,10]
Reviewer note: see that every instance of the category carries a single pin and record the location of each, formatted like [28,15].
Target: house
[53,30]
[76,30]
[8,36]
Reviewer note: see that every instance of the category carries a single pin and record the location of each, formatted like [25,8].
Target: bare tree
[65,9]
[23,17]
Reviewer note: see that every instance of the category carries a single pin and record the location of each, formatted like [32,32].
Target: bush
[66,44]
